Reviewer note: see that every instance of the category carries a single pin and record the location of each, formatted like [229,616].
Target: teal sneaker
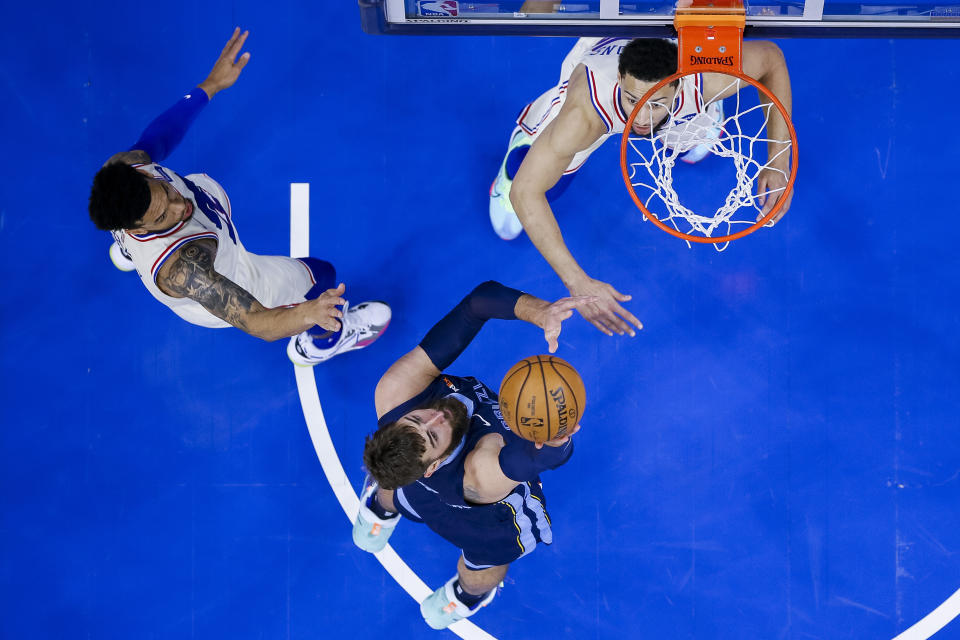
[502,216]
[371,532]
[442,608]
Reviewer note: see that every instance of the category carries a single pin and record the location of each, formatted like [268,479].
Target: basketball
[542,398]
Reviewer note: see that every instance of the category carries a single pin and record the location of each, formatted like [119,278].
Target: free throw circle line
[323,444]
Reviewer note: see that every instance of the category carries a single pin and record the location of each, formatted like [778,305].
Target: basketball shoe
[361,324]
[442,608]
[370,531]
[701,151]
[120,259]
[502,216]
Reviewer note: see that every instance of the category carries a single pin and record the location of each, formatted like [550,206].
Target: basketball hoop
[710,41]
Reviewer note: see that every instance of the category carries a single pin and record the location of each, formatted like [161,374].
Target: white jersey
[273,280]
[601,58]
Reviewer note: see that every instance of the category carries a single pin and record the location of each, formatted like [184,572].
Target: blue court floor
[775,456]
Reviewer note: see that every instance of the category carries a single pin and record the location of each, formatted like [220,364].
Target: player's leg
[462,595]
[476,584]
[503,218]
[361,324]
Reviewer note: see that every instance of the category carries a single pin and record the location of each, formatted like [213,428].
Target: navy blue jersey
[490,534]
[485,417]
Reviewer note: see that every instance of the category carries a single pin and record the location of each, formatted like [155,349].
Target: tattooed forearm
[191,275]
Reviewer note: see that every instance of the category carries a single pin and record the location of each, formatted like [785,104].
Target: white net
[696,129]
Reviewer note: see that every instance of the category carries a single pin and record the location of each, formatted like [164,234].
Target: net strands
[723,136]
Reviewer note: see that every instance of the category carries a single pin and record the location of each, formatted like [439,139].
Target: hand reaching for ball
[554,315]
[557,442]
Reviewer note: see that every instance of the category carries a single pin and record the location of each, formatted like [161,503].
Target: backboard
[764,19]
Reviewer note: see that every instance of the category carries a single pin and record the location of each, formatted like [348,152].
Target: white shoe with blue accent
[502,216]
[701,151]
[697,154]
[370,531]
[120,259]
[442,608]
[362,325]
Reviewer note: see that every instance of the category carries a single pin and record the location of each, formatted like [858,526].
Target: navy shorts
[489,535]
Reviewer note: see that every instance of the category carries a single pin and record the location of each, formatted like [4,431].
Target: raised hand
[323,310]
[770,188]
[227,68]
[554,315]
[605,313]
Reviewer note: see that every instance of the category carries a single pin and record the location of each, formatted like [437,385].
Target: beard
[456,414]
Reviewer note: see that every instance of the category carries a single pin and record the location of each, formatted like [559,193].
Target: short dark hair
[119,198]
[393,455]
[648,59]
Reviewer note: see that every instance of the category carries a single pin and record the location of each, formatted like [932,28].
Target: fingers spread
[233,38]
[629,317]
[598,323]
[238,44]
[602,327]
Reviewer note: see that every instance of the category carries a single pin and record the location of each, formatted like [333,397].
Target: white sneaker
[362,325]
[442,608]
[701,151]
[502,216]
[120,259]
[370,531]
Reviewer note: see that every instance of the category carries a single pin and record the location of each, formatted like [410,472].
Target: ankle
[466,598]
[378,510]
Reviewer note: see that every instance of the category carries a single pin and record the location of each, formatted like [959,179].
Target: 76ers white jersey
[601,58]
[273,280]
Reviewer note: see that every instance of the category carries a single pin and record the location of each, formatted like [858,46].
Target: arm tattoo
[191,275]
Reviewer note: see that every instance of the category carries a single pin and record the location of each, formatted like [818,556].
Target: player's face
[167,208]
[442,425]
[435,427]
[654,111]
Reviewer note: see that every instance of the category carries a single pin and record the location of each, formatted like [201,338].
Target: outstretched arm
[189,273]
[166,131]
[764,62]
[412,373]
[574,129]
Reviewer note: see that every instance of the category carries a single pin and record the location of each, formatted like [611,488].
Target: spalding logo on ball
[542,398]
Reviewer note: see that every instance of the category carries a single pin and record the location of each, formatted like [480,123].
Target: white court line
[395,566]
[933,621]
[323,444]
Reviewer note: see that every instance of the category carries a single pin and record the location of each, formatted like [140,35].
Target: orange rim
[625,169]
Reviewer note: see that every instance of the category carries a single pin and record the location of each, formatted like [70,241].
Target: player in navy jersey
[443,455]
[178,233]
